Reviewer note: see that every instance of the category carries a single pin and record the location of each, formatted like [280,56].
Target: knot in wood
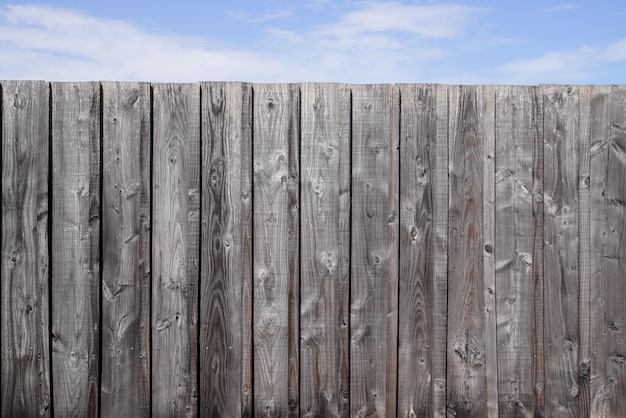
[328,261]
[318,186]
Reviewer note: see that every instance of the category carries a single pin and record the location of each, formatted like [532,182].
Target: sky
[455,42]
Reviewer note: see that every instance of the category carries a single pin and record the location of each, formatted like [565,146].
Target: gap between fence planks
[240,249]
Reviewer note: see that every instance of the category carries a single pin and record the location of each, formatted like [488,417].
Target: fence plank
[325,153]
[75,257]
[561,106]
[24,285]
[276,275]
[608,317]
[514,249]
[175,251]
[225,162]
[467,373]
[125,377]
[374,277]
[417,301]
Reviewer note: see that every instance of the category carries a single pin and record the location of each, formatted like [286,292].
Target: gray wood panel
[276,249]
[75,256]
[25,255]
[325,253]
[125,381]
[514,249]
[561,294]
[375,229]
[225,264]
[175,248]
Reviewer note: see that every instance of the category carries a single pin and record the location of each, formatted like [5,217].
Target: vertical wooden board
[375,229]
[561,291]
[487,108]
[514,249]
[325,153]
[75,256]
[125,383]
[416,304]
[175,248]
[226,171]
[276,248]
[466,351]
[608,194]
[24,286]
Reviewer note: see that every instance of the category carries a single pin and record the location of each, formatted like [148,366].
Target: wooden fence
[234,249]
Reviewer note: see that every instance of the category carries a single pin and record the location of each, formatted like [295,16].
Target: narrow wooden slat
[325,150]
[538,242]
[466,352]
[561,106]
[175,248]
[125,359]
[514,249]
[487,108]
[24,271]
[584,198]
[225,165]
[418,147]
[375,228]
[276,273]
[608,244]
[75,257]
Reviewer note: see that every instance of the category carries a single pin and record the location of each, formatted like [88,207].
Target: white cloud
[564,7]
[246,17]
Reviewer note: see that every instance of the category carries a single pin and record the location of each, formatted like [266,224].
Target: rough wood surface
[25,258]
[175,248]
[75,256]
[608,265]
[325,154]
[561,294]
[514,248]
[276,273]
[375,228]
[125,380]
[417,309]
[225,189]
[466,353]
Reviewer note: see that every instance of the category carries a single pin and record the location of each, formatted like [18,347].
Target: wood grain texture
[276,248]
[608,266]
[561,294]
[466,352]
[125,381]
[325,291]
[375,229]
[416,318]
[225,189]
[75,257]
[514,249]
[175,248]
[25,258]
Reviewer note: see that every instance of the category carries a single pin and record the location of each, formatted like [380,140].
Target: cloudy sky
[464,41]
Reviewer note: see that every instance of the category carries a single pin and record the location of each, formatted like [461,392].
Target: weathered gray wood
[125,381]
[25,385]
[175,248]
[561,106]
[538,242]
[325,154]
[514,248]
[487,109]
[75,256]
[608,292]
[276,273]
[466,352]
[417,309]
[225,187]
[375,228]
[584,264]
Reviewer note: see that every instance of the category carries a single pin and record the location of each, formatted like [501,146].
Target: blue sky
[464,41]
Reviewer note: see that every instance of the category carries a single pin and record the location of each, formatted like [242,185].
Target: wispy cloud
[564,7]
[264,17]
